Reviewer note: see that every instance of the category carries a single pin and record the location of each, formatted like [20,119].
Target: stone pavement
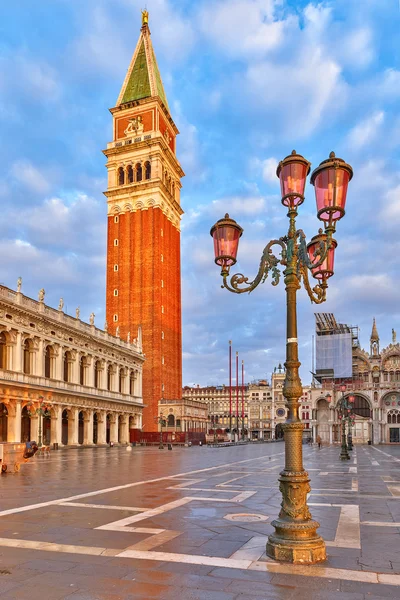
[191,524]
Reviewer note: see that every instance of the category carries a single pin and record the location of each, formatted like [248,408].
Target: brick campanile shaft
[143,248]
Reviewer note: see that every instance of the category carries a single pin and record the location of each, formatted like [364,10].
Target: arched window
[169,186]
[147,173]
[67,366]
[361,407]
[178,422]
[28,357]
[82,370]
[121,380]
[139,172]
[130,174]
[47,362]
[3,351]
[132,384]
[97,369]
[391,376]
[385,376]
[173,189]
[109,377]
[121,176]
[389,418]
[171,421]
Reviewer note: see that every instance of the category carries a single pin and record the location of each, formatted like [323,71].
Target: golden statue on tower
[145,17]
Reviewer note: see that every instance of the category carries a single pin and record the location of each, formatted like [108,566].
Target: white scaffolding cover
[334,352]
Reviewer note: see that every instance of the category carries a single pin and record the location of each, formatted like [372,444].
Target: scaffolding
[334,348]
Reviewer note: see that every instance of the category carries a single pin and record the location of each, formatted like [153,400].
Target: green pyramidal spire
[143,79]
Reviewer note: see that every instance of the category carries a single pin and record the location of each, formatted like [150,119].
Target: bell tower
[143,246]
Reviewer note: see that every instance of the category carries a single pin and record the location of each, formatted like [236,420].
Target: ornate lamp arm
[321,251]
[316,294]
[269,262]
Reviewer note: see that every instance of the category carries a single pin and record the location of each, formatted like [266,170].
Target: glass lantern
[330,180]
[292,172]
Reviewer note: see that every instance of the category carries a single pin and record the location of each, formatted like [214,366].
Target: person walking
[319,441]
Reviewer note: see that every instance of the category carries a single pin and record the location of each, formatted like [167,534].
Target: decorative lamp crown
[292,172]
[226,233]
[331,179]
[315,249]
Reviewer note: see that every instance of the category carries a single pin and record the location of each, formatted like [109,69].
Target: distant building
[263,406]
[374,381]
[88,382]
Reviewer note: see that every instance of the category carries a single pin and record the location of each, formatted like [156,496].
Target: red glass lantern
[226,233]
[328,397]
[343,387]
[331,179]
[315,248]
[292,172]
[351,398]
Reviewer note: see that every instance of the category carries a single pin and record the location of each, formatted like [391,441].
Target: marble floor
[192,523]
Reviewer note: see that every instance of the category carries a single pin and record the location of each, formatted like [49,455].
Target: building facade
[185,415]
[143,252]
[262,403]
[375,384]
[89,381]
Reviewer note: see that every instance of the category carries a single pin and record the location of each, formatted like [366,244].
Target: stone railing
[77,389]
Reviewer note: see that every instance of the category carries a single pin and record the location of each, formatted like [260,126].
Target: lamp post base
[296,543]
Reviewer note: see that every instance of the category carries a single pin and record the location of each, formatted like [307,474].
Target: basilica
[375,385]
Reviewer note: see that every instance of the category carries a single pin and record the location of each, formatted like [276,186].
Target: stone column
[18,354]
[88,428]
[114,428]
[35,428]
[314,433]
[40,359]
[330,433]
[56,425]
[14,422]
[73,425]
[59,363]
[125,430]
[89,371]
[101,427]
[17,427]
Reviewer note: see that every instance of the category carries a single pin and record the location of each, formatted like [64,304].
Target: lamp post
[41,411]
[351,423]
[295,538]
[160,419]
[344,408]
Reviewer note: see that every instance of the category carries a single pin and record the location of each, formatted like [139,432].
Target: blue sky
[247,81]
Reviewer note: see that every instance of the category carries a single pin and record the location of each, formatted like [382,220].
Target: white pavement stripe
[380,524]
[213,561]
[105,506]
[348,529]
[251,550]
[121,524]
[193,559]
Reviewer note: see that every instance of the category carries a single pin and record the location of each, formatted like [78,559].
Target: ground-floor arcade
[66,421]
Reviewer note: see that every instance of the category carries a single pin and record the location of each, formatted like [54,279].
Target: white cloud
[366,131]
[269,166]
[25,77]
[30,177]
[243,27]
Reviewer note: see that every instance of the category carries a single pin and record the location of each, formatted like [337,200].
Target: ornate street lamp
[351,421]
[41,411]
[344,410]
[295,539]
[162,422]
